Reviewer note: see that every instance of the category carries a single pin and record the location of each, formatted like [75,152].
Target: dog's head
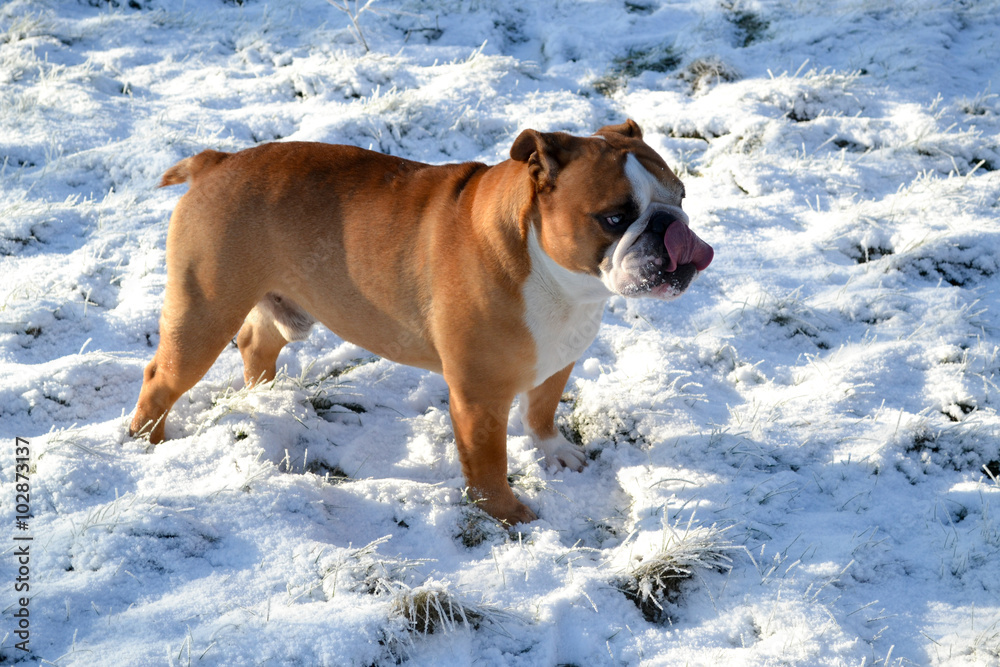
[609,208]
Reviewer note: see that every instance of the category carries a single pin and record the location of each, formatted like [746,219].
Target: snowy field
[794,464]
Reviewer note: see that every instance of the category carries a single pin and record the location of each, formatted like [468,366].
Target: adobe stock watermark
[22,543]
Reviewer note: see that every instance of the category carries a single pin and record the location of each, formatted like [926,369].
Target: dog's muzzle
[658,255]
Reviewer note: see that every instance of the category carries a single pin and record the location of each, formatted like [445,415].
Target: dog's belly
[360,320]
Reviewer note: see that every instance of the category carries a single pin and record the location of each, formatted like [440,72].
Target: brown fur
[420,264]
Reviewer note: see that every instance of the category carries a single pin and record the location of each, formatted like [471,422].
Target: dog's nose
[660,221]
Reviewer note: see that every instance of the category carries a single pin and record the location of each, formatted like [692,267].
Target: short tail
[188,168]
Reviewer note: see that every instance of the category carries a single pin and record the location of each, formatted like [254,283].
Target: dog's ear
[629,128]
[545,153]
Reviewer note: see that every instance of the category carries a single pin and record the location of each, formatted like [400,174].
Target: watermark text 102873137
[22,542]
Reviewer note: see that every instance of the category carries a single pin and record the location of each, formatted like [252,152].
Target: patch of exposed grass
[983,104]
[22,27]
[635,62]
[639,7]
[958,411]
[960,267]
[750,26]
[587,427]
[704,73]
[863,254]
[329,473]
[478,528]
[364,570]
[656,581]
[324,404]
[432,608]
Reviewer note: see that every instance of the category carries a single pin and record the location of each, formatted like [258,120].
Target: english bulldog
[494,276]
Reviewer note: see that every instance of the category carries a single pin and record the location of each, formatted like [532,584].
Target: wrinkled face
[614,213]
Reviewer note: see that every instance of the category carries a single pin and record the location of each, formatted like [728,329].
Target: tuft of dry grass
[477,527]
[704,73]
[431,607]
[364,570]
[656,580]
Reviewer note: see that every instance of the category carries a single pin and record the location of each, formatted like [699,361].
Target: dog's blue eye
[613,219]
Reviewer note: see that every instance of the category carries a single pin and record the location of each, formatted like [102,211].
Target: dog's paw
[509,511]
[561,453]
[518,515]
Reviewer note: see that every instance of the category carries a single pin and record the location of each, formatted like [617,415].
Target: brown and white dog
[494,276]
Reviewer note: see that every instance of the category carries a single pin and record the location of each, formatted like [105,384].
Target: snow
[806,428]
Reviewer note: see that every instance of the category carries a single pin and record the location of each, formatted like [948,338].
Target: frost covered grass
[826,391]
[656,579]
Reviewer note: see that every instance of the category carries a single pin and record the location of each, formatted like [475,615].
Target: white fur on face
[651,196]
[647,188]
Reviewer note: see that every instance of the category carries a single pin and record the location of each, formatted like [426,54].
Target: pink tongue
[684,247]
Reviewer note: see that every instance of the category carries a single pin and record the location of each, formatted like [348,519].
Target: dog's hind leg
[195,326]
[273,322]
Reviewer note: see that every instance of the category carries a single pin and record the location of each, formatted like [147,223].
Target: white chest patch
[562,309]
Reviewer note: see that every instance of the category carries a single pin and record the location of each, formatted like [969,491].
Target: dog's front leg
[480,425]
[538,411]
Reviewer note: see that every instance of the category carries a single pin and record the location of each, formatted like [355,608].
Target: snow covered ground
[799,442]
